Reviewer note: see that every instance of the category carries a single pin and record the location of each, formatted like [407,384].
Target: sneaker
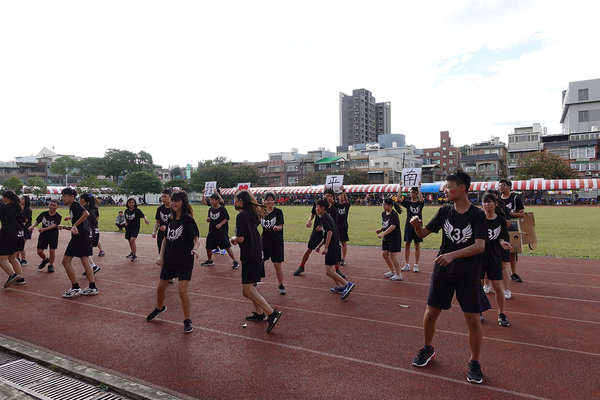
[256,317]
[405,268]
[507,294]
[281,289]
[43,264]
[298,271]
[223,252]
[487,289]
[187,326]
[50,268]
[339,272]
[11,279]
[349,288]
[416,268]
[423,357]
[101,254]
[396,277]
[502,320]
[89,292]
[481,316]
[72,292]
[172,280]
[337,289]
[235,265]
[475,375]
[207,262]
[134,258]
[95,268]
[273,318]
[216,251]
[342,262]
[155,313]
[389,274]
[129,255]
[19,282]
[24,263]
[516,278]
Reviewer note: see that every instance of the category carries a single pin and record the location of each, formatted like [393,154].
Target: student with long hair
[10,236]
[178,252]
[343,207]
[414,206]
[88,202]
[48,234]
[272,237]
[28,216]
[253,267]
[391,243]
[133,215]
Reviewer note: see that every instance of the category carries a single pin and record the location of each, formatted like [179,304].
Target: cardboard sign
[243,186]
[527,228]
[209,188]
[334,182]
[411,177]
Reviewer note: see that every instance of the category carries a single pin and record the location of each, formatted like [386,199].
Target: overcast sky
[191,80]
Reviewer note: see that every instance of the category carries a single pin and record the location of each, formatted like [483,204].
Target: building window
[582,95]
[443,140]
[583,116]
[450,153]
[443,148]
[427,154]
[487,151]
[450,161]
[436,154]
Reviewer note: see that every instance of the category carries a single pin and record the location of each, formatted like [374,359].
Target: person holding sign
[414,206]
[391,244]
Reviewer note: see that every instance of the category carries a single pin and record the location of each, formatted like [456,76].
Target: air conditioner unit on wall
[588,172]
[595,175]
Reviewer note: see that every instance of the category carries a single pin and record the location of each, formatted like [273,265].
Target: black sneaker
[95,268]
[256,317]
[11,279]
[129,255]
[207,262]
[43,264]
[24,263]
[134,258]
[342,262]
[423,357]
[187,326]
[19,282]
[50,268]
[273,318]
[475,375]
[516,278]
[281,289]
[339,272]
[235,265]
[155,313]
[502,320]
[298,271]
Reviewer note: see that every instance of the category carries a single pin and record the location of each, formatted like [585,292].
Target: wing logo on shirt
[494,234]
[164,217]
[174,234]
[130,216]
[414,210]
[46,223]
[269,224]
[341,211]
[214,216]
[384,224]
[456,235]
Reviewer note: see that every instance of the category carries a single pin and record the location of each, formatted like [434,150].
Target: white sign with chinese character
[209,188]
[334,182]
[411,177]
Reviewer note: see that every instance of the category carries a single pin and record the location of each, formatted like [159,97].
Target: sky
[188,81]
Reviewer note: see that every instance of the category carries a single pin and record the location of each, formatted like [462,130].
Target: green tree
[244,173]
[180,183]
[93,166]
[544,165]
[351,177]
[13,183]
[37,186]
[144,161]
[65,165]
[141,182]
[119,163]
[218,170]
[177,172]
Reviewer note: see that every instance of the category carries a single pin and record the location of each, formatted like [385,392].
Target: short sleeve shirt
[513,202]
[328,224]
[133,219]
[251,247]
[12,222]
[270,238]
[391,219]
[84,233]
[46,220]
[217,215]
[342,214]
[413,208]
[496,230]
[179,242]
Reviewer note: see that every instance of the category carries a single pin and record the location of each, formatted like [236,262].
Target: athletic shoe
[299,271]
[43,263]
[101,254]
[223,252]
[19,282]
[342,262]
[216,251]
[349,288]
[507,294]
[89,292]
[339,272]
[50,268]
[502,320]
[475,375]
[487,289]
[273,318]
[235,265]
[95,268]
[416,268]
[389,274]
[281,289]
[24,263]
[172,280]
[256,317]
[516,278]
[207,262]
[72,292]
[11,279]
[155,313]
[129,255]
[396,277]
[187,326]
[405,268]
[134,258]
[337,289]
[423,357]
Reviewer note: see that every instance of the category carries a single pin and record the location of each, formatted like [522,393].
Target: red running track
[322,347]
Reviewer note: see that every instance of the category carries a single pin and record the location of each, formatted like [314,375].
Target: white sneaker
[89,292]
[415,268]
[72,293]
[405,268]
[396,278]
[507,294]
[389,274]
[487,289]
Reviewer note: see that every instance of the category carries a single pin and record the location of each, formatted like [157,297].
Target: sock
[92,285]
[337,268]
[474,361]
[93,265]
[76,286]
[428,348]
[302,265]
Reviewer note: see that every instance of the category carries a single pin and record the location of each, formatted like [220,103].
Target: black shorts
[8,246]
[275,254]
[470,296]
[410,235]
[44,242]
[343,234]
[213,241]
[493,274]
[78,248]
[131,234]
[314,240]
[168,273]
[505,255]
[20,244]
[392,247]
[253,273]
[332,257]
[95,237]
[26,234]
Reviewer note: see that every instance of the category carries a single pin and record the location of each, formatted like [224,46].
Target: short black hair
[69,191]
[323,203]
[506,181]
[329,191]
[461,178]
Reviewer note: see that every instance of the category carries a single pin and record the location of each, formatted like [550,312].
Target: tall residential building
[445,156]
[524,140]
[581,107]
[362,120]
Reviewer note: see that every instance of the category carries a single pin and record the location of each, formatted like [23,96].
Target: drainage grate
[5,358]
[43,383]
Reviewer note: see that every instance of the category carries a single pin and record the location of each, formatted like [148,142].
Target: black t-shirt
[179,242]
[46,220]
[28,217]
[513,202]
[342,214]
[251,248]
[270,238]
[413,208]
[12,222]
[84,233]
[133,219]
[459,231]
[492,258]
[217,215]
[94,213]
[162,215]
[328,224]
[386,222]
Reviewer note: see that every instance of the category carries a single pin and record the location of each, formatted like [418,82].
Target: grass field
[562,231]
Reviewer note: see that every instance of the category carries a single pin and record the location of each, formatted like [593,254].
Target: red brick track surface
[322,347]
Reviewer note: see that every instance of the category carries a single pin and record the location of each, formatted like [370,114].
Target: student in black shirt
[414,206]
[517,210]
[88,202]
[48,234]
[272,237]
[10,235]
[218,230]
[391,244]
[28,215]
[343,207]
[133,215]
[178,252]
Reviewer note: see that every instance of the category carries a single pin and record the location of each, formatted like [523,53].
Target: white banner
[411,177]
[334,182]
[243,186]
[210,188]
